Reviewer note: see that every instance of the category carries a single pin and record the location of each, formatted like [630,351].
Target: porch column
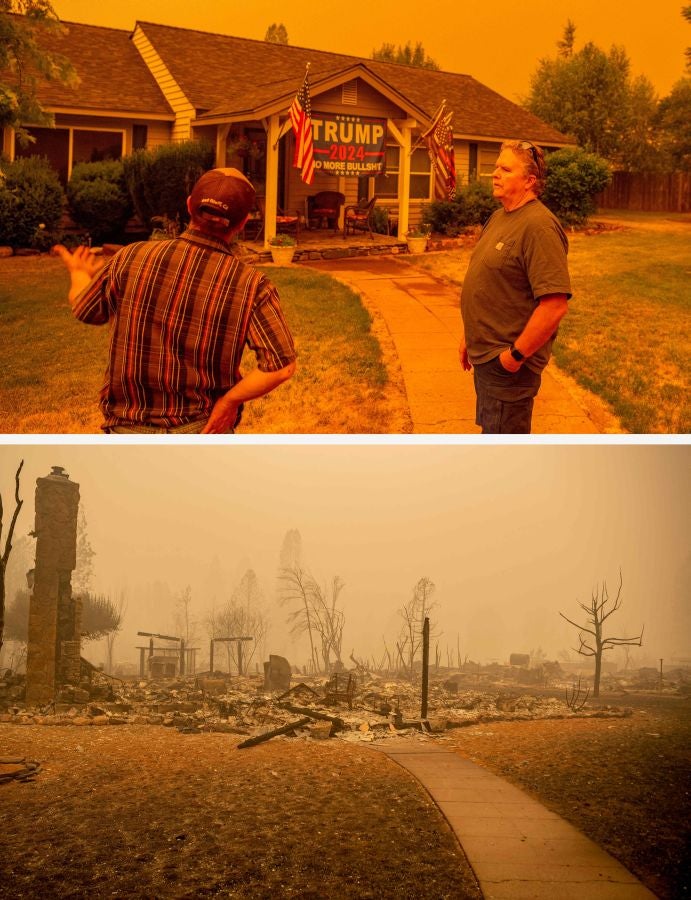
[273,134]
[404,180]
[344,190]
[403,137]
[221,138]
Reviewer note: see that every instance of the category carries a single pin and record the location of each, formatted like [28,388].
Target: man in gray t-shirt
[514,294]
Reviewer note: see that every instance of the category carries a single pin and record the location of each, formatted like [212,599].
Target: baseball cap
[224,194]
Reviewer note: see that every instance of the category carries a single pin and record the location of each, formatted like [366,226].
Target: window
[387,184]
[140,135]
[87,145]
[487,163]
[95,146]
[54,144]
[472,162]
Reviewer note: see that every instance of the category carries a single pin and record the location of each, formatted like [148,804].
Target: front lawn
[626,337]
[51,366]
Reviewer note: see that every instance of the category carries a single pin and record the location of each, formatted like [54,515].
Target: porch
[315,244]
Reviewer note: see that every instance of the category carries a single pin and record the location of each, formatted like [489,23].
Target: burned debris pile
[351,706]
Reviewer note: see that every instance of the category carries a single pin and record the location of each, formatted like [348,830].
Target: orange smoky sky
[499,44]
[510,535]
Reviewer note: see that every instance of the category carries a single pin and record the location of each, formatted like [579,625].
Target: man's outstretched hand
[82,260]
[82,266]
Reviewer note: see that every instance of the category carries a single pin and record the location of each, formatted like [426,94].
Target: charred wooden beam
[284,729]
[314,714]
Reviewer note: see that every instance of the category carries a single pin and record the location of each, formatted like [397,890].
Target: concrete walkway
[422,316]
[518,849]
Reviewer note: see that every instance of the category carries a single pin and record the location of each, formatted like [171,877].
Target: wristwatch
[517,355]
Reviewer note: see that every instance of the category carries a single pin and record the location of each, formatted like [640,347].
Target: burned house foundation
[54,648]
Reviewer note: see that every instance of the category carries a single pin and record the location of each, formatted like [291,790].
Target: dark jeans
[504,399]
[190,428]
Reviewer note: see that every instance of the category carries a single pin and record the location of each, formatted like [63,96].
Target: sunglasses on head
[526,145]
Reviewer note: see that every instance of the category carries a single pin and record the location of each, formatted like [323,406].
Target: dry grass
[137,811]
[348,379]
[626,337]
[52,366]
[142,811]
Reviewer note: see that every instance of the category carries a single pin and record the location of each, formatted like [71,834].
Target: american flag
[301,119]
[439,142]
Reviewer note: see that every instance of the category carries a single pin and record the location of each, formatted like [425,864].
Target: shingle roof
[223,74]
[113,75]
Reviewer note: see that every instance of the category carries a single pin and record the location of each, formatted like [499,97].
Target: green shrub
[160,181]
[31,203]
[380,220]
[479,202]
[574,178]
[443,216]
[472,205]
[98,199]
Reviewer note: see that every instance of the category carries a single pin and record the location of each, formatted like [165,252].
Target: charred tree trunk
[4,559]
[592,639]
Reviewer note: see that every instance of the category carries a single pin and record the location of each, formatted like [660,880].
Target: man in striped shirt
[182,312]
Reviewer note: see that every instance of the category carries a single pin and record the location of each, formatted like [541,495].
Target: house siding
[486,160]
[369,103]
[181,106]
[159,133]
[462,154]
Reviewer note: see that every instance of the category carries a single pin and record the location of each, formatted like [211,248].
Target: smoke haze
[510,535]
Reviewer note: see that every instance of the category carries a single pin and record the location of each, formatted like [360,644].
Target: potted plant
[282,248]
[416,239]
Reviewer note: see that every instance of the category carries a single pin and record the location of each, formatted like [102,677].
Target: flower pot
[282,256]
[416,244]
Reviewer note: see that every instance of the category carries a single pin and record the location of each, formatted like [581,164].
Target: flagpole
[300,114]
[435,117]
[285,127]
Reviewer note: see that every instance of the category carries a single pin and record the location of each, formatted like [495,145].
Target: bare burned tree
[120,607]
[592,640]
[413,614]
[241,616]
[329,620]
[184,621]
[316,613]
[296,586]
[83,574]
[4,559]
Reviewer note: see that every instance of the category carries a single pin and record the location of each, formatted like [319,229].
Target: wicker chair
[325,207]
[359,217]
[284,223]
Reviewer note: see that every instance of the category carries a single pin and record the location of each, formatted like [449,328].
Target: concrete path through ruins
[517,848]
[422,316]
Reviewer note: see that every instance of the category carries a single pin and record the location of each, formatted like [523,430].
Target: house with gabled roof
[116,107]
[161,83]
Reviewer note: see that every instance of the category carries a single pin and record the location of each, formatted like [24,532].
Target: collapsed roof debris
[363,707]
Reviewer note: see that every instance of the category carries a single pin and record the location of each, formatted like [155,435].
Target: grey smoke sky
[510,534]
